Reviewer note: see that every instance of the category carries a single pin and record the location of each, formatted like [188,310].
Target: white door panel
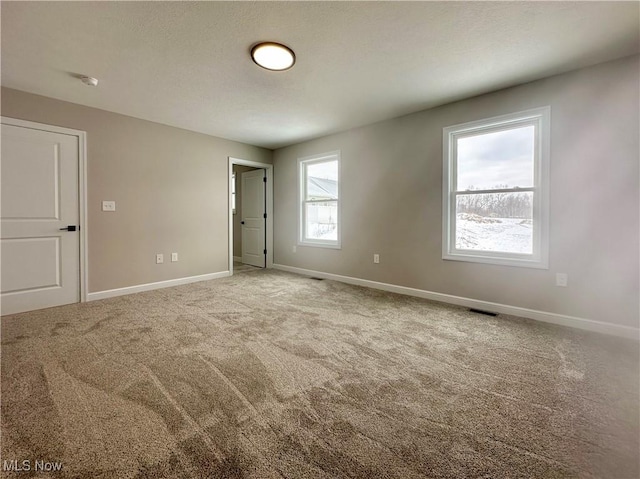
[39,182]
[33,171]
[253,221]
[37,258]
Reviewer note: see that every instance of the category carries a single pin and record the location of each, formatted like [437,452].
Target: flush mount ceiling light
[273,56]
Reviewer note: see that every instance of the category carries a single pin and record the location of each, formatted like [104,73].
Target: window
[495,190]
[319,200]
[233,193]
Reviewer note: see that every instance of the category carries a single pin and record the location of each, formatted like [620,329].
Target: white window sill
[500,261]
[318,244]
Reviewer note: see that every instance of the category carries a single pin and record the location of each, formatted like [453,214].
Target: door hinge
[264,179]
[265,251]
[265,216]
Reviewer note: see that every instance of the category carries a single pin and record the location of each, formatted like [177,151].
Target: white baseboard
[150,286]
[237,259]
[570,321]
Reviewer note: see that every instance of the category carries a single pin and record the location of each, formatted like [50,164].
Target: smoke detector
[89,80]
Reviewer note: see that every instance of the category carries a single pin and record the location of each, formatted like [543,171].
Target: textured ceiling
[187,64]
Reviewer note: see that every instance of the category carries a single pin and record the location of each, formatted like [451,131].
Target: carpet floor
[267,374]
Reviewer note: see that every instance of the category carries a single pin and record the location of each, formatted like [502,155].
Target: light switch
[108,206]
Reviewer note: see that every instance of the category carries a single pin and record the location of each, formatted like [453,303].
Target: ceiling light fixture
[273,56]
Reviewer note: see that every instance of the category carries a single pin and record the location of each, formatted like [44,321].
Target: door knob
[69,228]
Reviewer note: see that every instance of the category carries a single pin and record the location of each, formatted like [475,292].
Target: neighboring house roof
[320,188]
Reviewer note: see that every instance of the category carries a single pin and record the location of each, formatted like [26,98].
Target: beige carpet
[243,268]
[268,375]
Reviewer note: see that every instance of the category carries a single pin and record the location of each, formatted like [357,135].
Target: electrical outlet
[294,248]
[159,258]
[562,279]
[108,206]
[376,258]
[174,257]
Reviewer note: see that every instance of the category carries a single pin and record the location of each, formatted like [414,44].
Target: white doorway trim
[82,189]
[269,225]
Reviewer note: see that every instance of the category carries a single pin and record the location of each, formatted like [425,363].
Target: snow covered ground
[507,235]
[323,231]
[322,220]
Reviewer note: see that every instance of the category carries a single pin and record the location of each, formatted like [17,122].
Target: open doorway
[250,215]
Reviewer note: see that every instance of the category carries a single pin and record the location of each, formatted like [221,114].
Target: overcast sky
[326,170]
[499,158]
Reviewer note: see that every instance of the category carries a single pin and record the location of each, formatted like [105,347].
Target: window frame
[302,200]
[540,118]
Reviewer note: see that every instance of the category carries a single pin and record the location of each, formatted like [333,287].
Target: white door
[253,218]
[40,261]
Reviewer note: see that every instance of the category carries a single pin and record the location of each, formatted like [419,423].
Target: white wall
[170,187]
[392,199]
